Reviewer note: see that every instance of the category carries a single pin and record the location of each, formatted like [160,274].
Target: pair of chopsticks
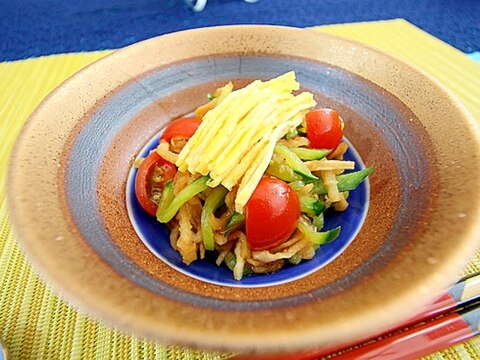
[451,319]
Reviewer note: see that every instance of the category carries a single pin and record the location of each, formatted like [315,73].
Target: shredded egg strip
[235,141]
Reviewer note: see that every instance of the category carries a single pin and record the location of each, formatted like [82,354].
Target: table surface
[30,29]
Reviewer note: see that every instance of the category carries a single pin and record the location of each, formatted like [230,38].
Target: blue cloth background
[30,28]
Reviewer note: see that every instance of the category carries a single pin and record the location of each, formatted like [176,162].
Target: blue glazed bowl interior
[156,237]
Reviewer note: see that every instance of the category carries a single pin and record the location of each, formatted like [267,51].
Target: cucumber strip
[230,260]
[235,221]
[166,199]
[281,171]
[350,181]
[295,259]
[291,134]
[297,185]
[318,238]
[317,221]
[310,205]
[310,154]
[214,200]
[182,197]
[294,162]
[345,182]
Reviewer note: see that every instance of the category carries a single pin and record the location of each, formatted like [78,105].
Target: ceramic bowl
[419,219]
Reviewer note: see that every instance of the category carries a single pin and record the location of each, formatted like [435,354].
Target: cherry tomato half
[183,127]
[271,214]
[324,128]
[143,180]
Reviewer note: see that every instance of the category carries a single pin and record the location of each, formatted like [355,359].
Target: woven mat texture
[37,324]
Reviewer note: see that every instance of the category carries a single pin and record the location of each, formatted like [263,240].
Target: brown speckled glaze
[378,281]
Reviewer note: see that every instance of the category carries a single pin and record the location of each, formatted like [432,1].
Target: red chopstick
[464,292]
[453,318]
[420,340]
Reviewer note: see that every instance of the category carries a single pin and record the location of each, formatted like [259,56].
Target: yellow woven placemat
[36,324]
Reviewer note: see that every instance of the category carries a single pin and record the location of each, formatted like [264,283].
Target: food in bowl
[250,177]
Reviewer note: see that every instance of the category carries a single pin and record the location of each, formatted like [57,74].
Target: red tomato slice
[324,128]
[183,127]
[143,180]
[271,214]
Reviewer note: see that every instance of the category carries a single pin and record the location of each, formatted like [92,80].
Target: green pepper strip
[318,238]
[166,199]
[310,154]
[182,197]
[212,203]
[294,162]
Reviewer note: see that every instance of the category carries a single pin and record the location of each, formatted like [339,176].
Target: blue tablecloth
[30,28]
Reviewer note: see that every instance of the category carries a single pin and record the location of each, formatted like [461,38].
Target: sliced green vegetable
[214,200]
[298,184]
[302,129]
[291,134]
[210,97]
[319,187]
[346,182]
[281,171]
[294,162]
[311,205]
[295,259]
[235,221]
[317,238]
[310,154]
[317,221]
[182,197]
[230,260]
[350,181]
[166,198]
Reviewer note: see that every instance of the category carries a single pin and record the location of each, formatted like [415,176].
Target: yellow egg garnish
[235,141]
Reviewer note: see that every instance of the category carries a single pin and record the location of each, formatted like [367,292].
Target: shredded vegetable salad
[249,177]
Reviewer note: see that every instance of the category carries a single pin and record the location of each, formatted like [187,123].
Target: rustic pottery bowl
[418,223]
